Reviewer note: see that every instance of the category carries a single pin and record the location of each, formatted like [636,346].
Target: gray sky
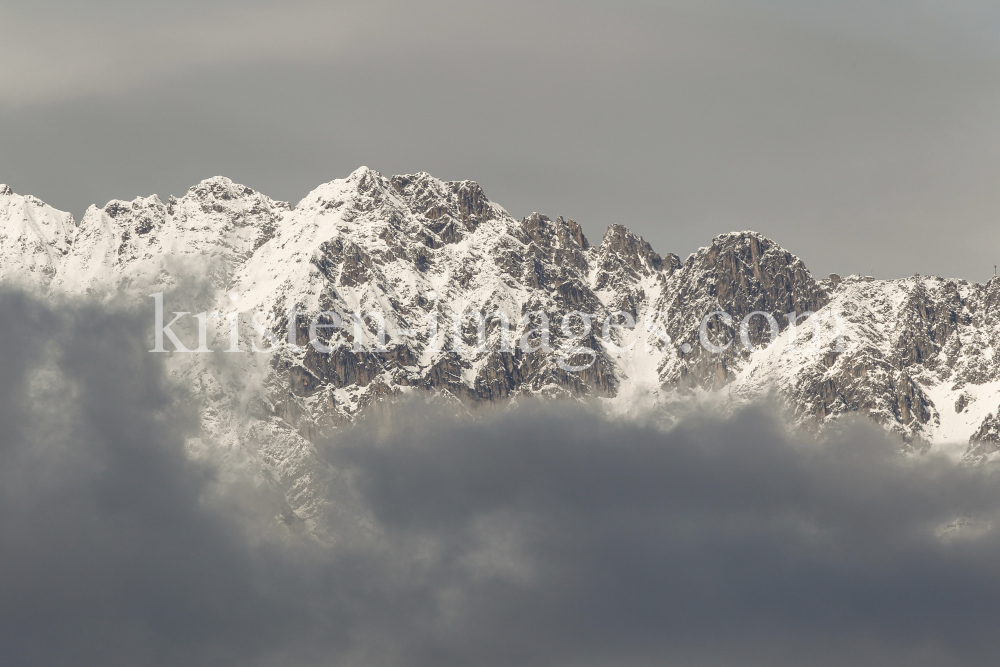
[856,134]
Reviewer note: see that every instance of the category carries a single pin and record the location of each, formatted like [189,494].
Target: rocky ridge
[915,355]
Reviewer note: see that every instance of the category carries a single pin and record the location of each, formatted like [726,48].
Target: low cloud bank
[546,535]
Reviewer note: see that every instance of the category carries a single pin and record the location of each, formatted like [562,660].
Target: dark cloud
[113,552]
[546,535]
[720,542]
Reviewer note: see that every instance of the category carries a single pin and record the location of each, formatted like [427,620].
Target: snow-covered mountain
[916,355]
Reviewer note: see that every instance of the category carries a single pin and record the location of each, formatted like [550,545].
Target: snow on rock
[915,355]
[34,238]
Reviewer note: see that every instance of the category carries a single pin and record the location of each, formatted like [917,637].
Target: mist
[545,534]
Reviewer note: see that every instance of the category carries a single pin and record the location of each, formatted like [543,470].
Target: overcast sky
[857,134]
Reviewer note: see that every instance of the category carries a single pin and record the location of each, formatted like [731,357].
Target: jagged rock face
[241,219]
[623,261]
[206,234]
[986,440]
[416,250]
[738,274]
[451,209]
[915,355]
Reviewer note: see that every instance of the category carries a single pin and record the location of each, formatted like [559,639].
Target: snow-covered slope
[915,355]
[34,238]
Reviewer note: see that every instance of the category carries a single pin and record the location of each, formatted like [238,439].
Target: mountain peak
[218,187]
[744,250]
[631,247]
[361,172]
[450,208]
[140,216]
[740,235]
[34,238]
[741,273]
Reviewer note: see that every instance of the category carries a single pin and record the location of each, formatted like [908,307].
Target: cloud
[545,535]
[724,541]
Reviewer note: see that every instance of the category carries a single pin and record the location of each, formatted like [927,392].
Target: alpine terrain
[313,315]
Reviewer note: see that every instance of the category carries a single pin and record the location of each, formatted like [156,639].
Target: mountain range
[636,333]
